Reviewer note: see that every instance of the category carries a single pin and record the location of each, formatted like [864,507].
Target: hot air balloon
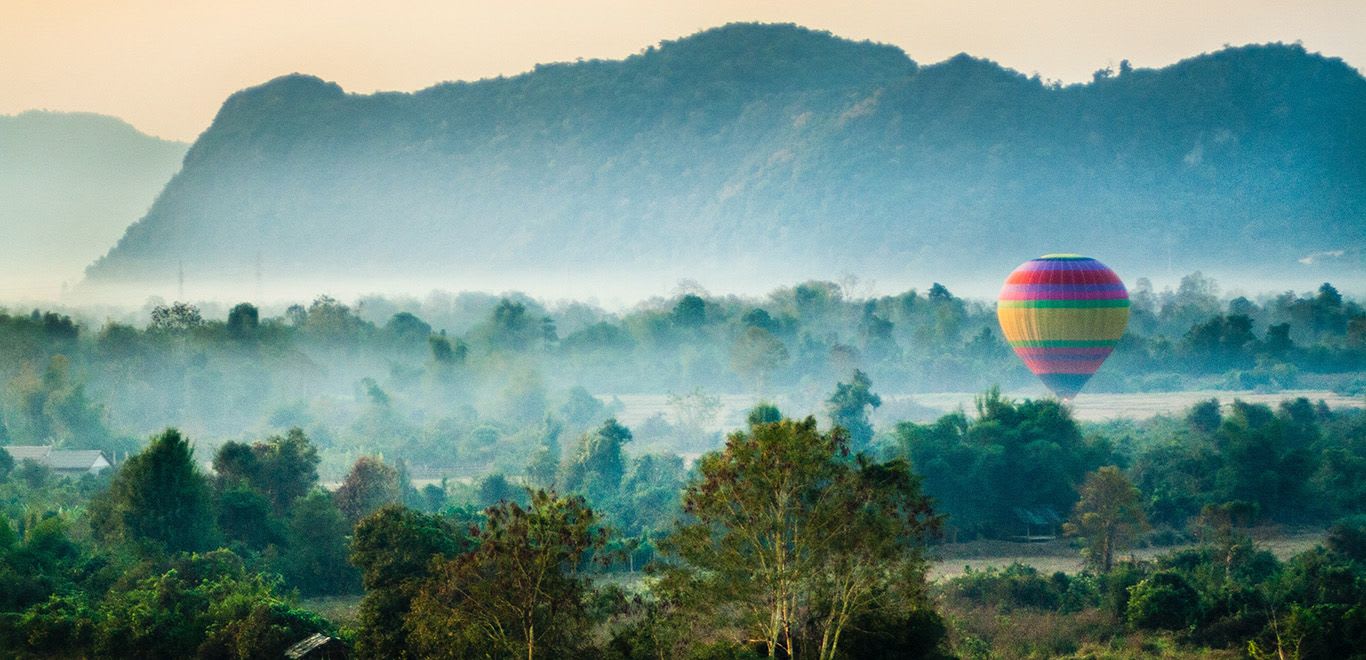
[1063,315]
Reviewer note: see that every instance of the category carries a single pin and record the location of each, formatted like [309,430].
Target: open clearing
[953,559]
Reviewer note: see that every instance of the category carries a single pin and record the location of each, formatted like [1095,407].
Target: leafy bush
[1163,601]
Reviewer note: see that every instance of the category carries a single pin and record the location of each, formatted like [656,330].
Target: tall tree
[849,406]
[243,321]
[544,463]
[158,499]
[598,467]
[394,548]
[289,467]
[755,355]
[519,593]
[282,468]
[1108,516]
[783,526]
[315,560]
[369,485]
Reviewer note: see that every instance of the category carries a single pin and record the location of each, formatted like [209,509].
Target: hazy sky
[167,65]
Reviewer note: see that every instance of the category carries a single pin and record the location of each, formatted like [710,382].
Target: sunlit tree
[1108,516]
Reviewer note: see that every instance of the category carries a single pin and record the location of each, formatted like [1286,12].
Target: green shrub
[1163,601]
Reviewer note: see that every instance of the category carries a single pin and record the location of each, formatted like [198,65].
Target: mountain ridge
[70,183]
[751,148]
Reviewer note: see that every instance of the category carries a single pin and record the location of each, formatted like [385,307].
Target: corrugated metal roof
[28,452]
[306,646]
[1039,516]
[76,459]
[59,459]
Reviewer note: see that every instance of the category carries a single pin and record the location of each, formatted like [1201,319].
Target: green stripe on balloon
[1063,304]
[1065,343]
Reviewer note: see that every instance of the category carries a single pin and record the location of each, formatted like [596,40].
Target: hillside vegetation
[768,153]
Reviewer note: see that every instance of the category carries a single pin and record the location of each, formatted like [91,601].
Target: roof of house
[306,646]
[28,452]
[76,459]
[58,459]
[1038,516]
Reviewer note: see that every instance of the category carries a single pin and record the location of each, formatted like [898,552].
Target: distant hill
[770,151]
[70,184]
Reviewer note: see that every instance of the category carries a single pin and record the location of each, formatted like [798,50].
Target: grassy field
[952,559]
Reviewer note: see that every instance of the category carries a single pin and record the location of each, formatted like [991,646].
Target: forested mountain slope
[771,152]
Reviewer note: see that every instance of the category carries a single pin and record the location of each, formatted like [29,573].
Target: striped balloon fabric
[1063,314]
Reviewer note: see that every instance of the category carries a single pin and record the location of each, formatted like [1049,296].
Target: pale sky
[166,66]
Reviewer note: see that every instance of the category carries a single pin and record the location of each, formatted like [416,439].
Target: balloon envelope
[1063,314]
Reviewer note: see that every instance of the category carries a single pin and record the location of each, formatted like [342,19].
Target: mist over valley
[761,342]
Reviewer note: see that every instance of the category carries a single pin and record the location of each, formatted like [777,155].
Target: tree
[785,528]
[1205,416]
[496,488]
[244,515]
[179,317]
[760,318]
[763,413]
[756,354]
[544,464]
[649,497]
[330,320]
[581,408]
[1014,458]
[282,468]
[314,560]
[513,329]
[159,501]
[394,548]
[1268,457]
[445,353]
[1221,342]
[368,486]
[1278,342]
[849,405]
[690,311]
[243,320]
[288,467]
[51,406]
[598,466]
[1108,516]
[206,605]
[235,463]
[518,594]
[406,329]
[1162,601]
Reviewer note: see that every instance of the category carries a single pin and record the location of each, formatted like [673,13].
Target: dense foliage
[440,491]
[460,386]
[1225,594]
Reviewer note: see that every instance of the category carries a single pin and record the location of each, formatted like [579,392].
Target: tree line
[792,539]
[471,379]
